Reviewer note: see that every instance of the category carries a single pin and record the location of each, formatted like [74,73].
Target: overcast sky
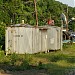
[69,2]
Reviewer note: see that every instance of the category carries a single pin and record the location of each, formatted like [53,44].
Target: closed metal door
[44,40]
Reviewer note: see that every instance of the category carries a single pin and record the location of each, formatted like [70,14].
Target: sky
[68,2]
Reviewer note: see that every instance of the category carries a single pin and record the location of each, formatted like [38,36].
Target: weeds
[14,58]
[56,63]
[40,65]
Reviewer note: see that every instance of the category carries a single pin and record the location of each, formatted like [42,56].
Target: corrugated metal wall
[43,40]
[19,40]
[53,38]
[58,38]
[23,40]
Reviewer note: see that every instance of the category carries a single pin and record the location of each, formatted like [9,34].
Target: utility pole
[61,44]
[67,20]
[36,13]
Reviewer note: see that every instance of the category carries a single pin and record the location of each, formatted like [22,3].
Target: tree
[2,35]
[16,10]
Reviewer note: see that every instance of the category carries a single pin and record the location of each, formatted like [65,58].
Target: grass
[55,63]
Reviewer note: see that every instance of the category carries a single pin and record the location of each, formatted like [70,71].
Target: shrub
[55,58]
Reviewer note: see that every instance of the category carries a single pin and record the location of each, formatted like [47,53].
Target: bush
[55,58]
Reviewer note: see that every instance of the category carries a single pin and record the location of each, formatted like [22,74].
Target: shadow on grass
[40,69]
[24,69]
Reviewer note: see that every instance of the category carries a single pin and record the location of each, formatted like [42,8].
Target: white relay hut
[28,39]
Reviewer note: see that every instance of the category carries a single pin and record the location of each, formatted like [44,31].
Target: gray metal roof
[21,25]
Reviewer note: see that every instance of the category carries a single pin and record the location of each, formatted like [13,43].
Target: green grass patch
[55,63]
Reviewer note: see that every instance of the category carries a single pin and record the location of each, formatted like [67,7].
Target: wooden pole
[67,20]
[61,35]
[36,13]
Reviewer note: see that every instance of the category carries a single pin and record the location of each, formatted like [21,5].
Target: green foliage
[2,35]
[14,58]
[16,10]
[72,25]
[40,65]
[2,54]
[21,9]
[20,62]
[53,63]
